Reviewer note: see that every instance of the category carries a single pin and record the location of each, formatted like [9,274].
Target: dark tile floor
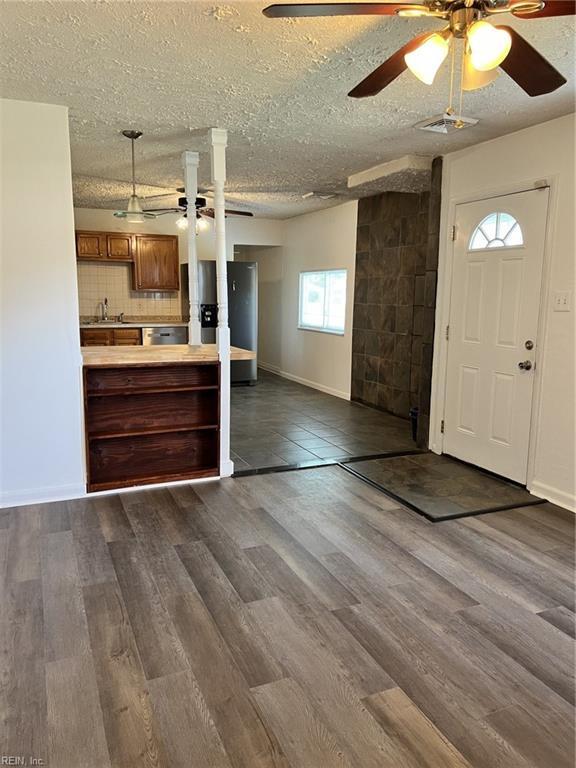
[440,487]
[281,423]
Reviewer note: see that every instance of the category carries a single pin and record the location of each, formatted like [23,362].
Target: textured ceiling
[173,70]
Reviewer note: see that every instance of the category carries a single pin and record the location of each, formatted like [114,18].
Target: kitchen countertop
[156,355]
[139,324]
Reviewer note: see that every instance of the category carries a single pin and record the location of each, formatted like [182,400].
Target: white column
[190,165]
[218,138]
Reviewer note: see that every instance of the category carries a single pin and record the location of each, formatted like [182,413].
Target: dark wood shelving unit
[151,423]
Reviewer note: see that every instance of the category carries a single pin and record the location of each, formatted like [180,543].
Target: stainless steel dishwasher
[166,334]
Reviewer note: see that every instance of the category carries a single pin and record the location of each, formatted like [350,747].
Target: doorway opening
[280,423]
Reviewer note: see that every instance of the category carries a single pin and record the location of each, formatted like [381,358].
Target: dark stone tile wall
[394,299]
[428,308]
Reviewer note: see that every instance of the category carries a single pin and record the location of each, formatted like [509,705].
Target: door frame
[443,301]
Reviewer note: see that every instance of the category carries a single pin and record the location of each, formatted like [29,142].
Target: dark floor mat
[441,488]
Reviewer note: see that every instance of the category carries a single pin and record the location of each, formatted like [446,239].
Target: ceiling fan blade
[211,213]
[552,8]
[529,68]
[157,197]
[164,210]
[338,9]
[388,71]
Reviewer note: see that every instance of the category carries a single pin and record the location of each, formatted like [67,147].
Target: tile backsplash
[114,281]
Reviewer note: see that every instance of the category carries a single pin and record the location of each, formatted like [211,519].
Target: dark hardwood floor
[299,619]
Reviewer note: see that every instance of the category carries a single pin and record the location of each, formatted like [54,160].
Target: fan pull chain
[459,122]
[450,108]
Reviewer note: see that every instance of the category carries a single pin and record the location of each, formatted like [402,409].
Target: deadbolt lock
[529,344]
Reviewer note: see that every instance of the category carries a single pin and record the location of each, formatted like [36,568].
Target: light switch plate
[562,301]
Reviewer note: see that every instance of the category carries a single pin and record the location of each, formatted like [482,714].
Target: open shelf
[150,379]
[149,391]
[147,431]
[152,479]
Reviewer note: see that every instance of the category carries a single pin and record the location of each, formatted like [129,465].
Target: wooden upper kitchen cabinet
[120,247]
[91,245]
[104,246]
[156,266]
[155,257]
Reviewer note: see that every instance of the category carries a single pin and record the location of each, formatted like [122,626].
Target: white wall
[320,240]
[246,231]
[40,399]
[509,164]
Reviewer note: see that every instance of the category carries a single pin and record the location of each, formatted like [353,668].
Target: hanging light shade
[472,78]
[133,213]
[201,225]
[426,60]
[182,222]
[489,45]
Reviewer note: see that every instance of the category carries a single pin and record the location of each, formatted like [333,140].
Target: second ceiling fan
[201,210]
[486,46]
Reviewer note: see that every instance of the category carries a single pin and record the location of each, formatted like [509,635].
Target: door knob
[525,365]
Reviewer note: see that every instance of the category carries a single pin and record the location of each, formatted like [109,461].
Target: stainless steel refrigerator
[242,310]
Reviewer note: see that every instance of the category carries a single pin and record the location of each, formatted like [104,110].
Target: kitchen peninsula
[152,414]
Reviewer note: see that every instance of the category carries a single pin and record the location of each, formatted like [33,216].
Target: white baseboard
[305,382]
[41,495]
[554,495]
[269,367]
[48,495]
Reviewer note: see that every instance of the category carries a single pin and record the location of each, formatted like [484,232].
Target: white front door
[492,347]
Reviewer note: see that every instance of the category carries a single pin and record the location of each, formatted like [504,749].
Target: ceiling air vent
[320,195]
[446,123]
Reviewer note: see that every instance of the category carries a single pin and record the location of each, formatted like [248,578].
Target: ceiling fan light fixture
[201,225]
[489,45]
[473,79]
[426,60]
[182,222]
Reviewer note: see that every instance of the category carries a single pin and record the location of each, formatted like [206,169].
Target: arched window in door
[498,230]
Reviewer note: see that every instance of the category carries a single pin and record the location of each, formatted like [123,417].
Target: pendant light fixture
[133,213]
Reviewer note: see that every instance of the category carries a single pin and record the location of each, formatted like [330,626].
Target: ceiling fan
[201,211]
[486,48]
[135,214]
